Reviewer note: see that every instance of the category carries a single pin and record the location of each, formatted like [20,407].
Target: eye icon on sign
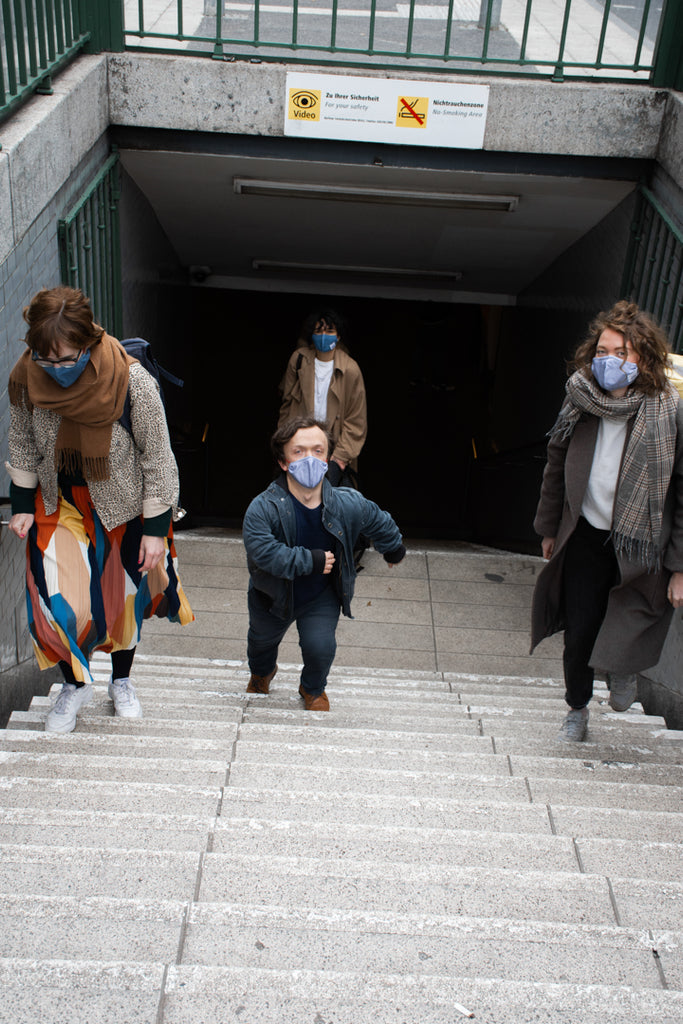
[304,100]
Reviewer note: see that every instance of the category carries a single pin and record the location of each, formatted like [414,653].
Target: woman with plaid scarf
[611,513]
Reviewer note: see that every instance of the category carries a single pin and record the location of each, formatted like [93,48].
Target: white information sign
[386,110]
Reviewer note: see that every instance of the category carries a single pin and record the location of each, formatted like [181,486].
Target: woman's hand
[342,465]
[152,550]
[547,547]
[329,562]
[21,523]
[675,589]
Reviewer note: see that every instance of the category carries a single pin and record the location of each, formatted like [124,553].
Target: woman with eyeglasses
[94,499]
[322,380]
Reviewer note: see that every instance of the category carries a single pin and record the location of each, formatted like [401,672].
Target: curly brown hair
[647,339]
[60,314]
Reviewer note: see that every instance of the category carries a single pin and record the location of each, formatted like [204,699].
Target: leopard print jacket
[143,471]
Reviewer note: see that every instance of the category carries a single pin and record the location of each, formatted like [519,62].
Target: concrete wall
[49,150]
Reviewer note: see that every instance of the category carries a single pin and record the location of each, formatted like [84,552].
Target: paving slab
[68,795]
[605,794]
[63,991]
[91,927]
[615,823]
[103,767]
[632,859]
[104,829]
[656,905]
[129,874]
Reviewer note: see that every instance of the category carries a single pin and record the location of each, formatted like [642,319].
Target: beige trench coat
[347,418]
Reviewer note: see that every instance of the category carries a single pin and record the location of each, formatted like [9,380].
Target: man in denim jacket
[299,534]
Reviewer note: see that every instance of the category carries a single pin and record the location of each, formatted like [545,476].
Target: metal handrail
[495,36]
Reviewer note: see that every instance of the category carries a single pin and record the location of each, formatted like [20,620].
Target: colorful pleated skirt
[84,591]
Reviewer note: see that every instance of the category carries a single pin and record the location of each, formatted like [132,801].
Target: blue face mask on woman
[324,342]
[65,375]
[613,373]
[308,472]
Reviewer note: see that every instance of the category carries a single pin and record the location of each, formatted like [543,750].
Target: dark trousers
[316,623]
[590,572]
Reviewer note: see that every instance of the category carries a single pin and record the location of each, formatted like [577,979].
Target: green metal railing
[89,246]
[603,39]
[653,276]
[37,37]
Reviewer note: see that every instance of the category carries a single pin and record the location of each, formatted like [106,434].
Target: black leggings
[121,663]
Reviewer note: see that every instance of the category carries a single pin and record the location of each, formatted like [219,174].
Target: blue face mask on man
[324,342]
[613,373]
[308,472]
[65,375]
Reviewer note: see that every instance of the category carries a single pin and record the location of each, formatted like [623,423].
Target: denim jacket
[269,533]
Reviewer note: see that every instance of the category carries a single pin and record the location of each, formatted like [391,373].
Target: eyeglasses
[64,361]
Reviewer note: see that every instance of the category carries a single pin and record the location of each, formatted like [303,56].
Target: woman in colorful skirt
[95,499]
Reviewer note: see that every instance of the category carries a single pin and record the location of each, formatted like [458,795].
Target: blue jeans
[316,623]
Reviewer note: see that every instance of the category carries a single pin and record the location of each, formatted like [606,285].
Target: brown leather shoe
[319,703]
[260,684]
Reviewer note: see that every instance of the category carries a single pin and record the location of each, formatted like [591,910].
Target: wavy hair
[647,339]
[60,314]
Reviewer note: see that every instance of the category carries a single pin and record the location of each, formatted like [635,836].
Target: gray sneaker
[623,690]
[575,726]
[62,715]
[126,703]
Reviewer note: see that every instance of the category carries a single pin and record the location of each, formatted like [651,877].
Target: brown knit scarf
[88,407]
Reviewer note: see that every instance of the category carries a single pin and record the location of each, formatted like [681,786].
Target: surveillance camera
[200,274]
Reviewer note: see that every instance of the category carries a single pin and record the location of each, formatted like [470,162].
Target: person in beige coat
[611,513]
[322,380]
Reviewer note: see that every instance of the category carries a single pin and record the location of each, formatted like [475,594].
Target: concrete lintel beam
[568,118]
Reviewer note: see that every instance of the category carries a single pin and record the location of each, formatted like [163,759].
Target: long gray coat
[638,611]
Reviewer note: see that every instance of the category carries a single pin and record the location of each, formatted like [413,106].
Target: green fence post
[104,20]
[668,69]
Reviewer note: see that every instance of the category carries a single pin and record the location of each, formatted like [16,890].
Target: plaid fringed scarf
[647,464]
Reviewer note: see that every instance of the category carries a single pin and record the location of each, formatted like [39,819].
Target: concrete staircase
[426,850]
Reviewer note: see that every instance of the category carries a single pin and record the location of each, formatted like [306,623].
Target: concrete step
[58,765]
[119,874]
[138,744]
[113,990]
[68,795]
[46,826]
[474,787]
[346,884]
[65,991]
[453,846]
[91,927]
[316,734]
[427,811]
[215,995]
[277,938]
[453,760]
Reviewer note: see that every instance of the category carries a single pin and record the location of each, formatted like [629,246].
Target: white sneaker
[575,726]
[126,704]
[62,715]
